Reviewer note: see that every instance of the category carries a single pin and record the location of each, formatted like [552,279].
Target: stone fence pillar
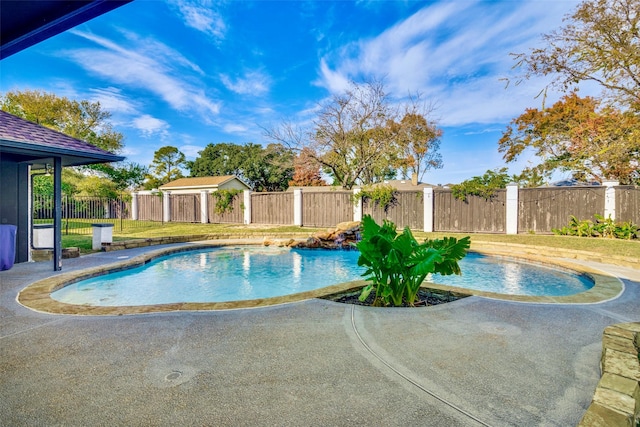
[134,205]
[357,207]
[428,210]
[204,207]
[247,206]
[166,206]
[512,209]
[610,199]
[297,207]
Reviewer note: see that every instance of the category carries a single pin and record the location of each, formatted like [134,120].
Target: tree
[166,165]
[267,168]
[125,176]
[579,135]
[419,140]
[599,43]
[306,171]
[483,186]
[83,120]
[354,138]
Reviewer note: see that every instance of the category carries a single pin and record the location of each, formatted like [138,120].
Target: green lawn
[629,248]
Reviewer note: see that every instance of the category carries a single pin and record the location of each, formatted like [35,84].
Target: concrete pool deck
[476,361]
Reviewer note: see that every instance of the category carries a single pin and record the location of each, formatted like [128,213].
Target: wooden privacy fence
[326,208]
[272,208]
[537,210]
[475,214]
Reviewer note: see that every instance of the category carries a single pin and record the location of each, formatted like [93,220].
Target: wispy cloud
[201,16]
[146,64]
[150,126]
[253,82]
[111,99]
[453,53]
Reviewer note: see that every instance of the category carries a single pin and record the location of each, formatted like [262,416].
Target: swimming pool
[247,273]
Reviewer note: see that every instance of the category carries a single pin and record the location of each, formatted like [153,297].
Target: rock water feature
[340,237]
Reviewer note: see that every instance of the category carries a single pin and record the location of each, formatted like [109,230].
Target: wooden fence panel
[475,215]
[272,208]
[149,207]
[326,209]
[407,212]
[628,204]
[233,216]
[185,207]
[542,209]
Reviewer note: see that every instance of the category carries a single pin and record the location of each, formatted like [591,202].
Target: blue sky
[187,74]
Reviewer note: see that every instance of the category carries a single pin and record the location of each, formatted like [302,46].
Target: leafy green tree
[83,120]
[577,135]
[125,176]
[599,43]
[267,168]
[166,165]
[483,186]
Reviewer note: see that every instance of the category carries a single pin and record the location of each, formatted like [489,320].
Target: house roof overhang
[24,23]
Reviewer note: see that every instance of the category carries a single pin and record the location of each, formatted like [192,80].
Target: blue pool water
[244,273]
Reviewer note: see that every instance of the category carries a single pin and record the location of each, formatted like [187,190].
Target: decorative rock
[342,237]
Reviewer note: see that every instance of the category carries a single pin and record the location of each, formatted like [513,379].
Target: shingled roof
[34,143]
[199,182]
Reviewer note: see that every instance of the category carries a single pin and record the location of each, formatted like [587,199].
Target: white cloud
[453,53]
[253,82]
[234,128]
[191,151]
[112,100]
[201,16]
[151,126]
[148,65]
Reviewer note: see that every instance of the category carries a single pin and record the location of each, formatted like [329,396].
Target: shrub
[397,264]
[602,227]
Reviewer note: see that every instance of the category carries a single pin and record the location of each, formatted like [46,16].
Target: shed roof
[202,181]
[35,144]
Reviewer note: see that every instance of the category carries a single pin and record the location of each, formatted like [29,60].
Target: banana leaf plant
[396,265]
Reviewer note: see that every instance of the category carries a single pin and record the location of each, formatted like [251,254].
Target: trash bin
[7,246]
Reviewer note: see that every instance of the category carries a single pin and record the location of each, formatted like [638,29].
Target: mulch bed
[427,297]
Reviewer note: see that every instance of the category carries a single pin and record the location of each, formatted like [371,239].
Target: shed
[204,183]
[26,146]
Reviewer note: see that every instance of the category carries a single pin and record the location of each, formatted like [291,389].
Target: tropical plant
[602,227]
[396,265]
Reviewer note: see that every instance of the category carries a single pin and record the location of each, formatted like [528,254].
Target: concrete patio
[476,361]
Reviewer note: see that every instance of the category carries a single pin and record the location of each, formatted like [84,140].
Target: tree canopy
[600,43]
[83,120]
[267,168]
[361,137]
[165,166]
[577,135]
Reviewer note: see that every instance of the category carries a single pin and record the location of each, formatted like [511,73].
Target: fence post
[428,209]
[166,206]
[134,205]
[297,207]
[357,207]
[512,209]
[610,199]
[247,206]
[204,206]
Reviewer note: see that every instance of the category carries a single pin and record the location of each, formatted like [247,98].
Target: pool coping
[37,295]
